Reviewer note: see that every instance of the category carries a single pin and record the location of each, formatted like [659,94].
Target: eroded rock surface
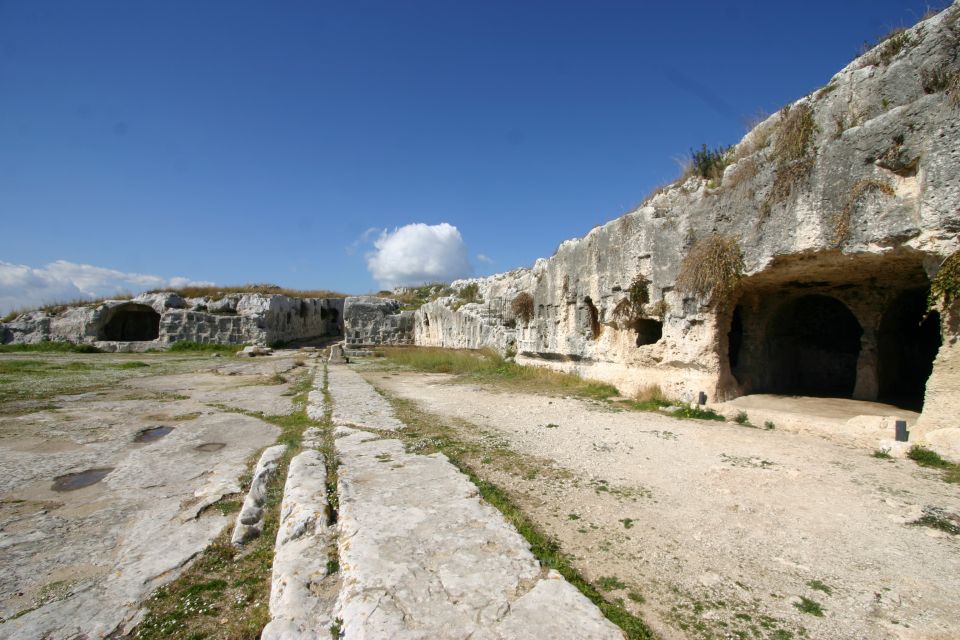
[301,602]
[355,402]
[78,564]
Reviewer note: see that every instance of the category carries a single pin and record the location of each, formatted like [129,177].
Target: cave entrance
[132,323]
[813,342]
[648,331]
[907,343]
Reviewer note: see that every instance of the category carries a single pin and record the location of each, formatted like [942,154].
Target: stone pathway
[421,556]
[355,402]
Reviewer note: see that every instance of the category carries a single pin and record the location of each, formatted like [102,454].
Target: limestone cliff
[842,206]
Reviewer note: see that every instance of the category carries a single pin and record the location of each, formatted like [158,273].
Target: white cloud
[484,259]
[419,253]
[22,286]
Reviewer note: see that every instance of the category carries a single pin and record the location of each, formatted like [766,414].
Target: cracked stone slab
[250,519]
[355,402]
[422,556]
[300,598]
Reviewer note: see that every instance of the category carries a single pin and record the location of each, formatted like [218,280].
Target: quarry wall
[800,263]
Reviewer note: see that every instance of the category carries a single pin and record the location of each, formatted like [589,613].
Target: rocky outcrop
[157,320]
[800,263]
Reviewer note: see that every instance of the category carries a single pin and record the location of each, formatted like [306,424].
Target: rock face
[835,213]
[370,321]
[156,320]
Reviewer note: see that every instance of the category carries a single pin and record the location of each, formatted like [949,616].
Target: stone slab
[355,402]
[422,556]
[297,605]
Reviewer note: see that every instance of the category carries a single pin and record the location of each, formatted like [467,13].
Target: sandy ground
[79,561]
[712,529]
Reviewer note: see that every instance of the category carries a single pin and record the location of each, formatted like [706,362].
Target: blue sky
[261,142]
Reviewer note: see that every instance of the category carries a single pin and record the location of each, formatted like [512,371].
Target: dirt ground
[79,561]
[711,529]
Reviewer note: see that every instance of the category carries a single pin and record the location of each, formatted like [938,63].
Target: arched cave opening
[812,345]
[132,323]
[648,331]
[907,343]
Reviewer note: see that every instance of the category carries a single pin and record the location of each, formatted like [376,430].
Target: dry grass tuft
[523,306]
[791,152]
[794,134]
[651,392]
[888,47]
[743,172]
[712,269]
[841,220]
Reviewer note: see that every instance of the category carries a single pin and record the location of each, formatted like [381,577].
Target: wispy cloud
[484,259]
[362,239]
[23,286]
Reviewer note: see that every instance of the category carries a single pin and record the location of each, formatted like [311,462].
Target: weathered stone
[250,519]
[355,402]
[300,605]
[336,355]
[370,321]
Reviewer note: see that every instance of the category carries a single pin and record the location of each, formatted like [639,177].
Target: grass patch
[696,413]
[882,454]
[611,583]
[937,518]
[490,367]
[806,605]
[820,586]
[769,426]
[743,419]
[929,458]
[187,346]
[48,346]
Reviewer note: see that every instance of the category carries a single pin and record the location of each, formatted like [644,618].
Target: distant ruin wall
[371,321]
[158,320]
[850,193]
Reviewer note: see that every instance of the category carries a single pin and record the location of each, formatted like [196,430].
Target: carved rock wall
[850,193]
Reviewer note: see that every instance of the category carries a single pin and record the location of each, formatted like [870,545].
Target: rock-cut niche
[131,323]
